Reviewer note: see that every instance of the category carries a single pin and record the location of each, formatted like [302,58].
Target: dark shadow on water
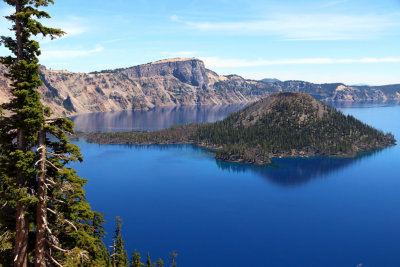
[295,171]
[286,172]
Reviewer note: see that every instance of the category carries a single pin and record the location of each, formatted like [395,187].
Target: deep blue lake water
[300,212]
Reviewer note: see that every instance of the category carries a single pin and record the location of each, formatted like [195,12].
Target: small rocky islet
[281,125]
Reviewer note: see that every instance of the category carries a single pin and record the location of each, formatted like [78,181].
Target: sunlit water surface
[299,212]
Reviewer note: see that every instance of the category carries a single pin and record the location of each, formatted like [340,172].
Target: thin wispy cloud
[72,25]
[112,41]
[69,53]
[174,18]
[215,62]
[308,27]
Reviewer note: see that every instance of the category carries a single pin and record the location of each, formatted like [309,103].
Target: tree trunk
[113,255]
[22,224]
[41,211]
[21,238]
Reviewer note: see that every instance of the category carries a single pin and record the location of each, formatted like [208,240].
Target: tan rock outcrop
[173,82]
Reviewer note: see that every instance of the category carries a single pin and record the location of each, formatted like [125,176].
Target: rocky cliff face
[174,82]
[188,71]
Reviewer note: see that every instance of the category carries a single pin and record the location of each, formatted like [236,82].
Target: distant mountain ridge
[175,82]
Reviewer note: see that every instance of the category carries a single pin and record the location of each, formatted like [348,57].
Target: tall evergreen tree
[120,256]
[27,113]
[34,181]
[148,262]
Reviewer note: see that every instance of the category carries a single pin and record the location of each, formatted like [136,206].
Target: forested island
[280,125]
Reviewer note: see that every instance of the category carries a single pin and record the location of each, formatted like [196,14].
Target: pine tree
[136,260]
[148,262]
[27,113]
[34,181]
[172,259]
[119,256]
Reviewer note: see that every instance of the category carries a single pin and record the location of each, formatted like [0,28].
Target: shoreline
[257,161]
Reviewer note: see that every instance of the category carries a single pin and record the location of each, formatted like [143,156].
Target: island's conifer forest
[45,219]
[281,125]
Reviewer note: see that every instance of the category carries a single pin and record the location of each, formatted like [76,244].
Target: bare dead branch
[52,211]
[57,247]
[57,200]
[51,181]
[48,230]
[57,155]
[39,148]
[52,165]
[37,162]
[53,260]
[65,220]
[70,223]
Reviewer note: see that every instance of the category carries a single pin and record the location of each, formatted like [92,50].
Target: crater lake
[296,212]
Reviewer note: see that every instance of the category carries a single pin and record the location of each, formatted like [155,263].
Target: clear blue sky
[350,41]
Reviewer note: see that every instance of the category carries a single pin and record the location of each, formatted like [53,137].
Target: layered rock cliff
[174,82]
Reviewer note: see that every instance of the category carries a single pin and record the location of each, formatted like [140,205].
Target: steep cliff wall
[188,71]
[174,82]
